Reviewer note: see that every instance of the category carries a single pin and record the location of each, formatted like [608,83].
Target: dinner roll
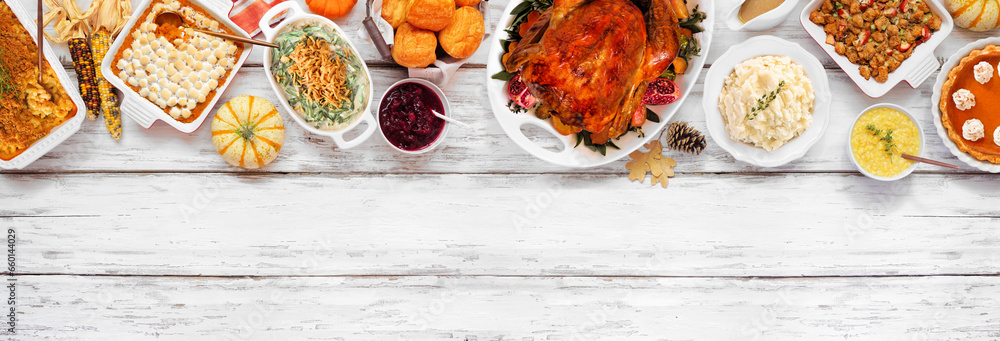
[394,11]
[462,36]
[431,15]
[462,3]
[414,47]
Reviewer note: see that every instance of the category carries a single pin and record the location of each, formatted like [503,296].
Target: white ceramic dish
[444,103]
[139,108]
[764,46]
[850,151]
[581,156]
[769,19]
[936,100]
[60,133]
[295,13]
[913,70]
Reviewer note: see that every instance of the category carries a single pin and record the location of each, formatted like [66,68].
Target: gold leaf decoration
[653,162]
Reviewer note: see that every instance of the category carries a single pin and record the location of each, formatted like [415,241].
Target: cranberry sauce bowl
[406,116]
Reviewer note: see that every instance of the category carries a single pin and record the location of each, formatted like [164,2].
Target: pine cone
[682,137]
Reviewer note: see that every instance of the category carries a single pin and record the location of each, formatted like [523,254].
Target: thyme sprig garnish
[6,81]
[514,108]
[764,102]
[886,139]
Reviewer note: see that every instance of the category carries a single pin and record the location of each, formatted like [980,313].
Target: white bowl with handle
[766,20]
[295,13]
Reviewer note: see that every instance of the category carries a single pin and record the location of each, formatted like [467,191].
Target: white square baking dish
[913,70]
[139,108]
[64,130]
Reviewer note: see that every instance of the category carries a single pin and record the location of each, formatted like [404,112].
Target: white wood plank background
[211,224]
[510,308]
[156,237]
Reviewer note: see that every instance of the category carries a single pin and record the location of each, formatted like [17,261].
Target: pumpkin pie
[966,97]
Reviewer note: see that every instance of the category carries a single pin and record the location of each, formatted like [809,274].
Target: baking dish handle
[344,144]
[293,9]
[924,69]
[567,155]
[133,108]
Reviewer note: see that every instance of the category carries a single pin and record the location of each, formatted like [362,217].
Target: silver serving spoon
[41,62]
[373,32]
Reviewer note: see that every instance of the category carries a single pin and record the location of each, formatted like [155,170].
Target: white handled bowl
[768,20]
[295,13]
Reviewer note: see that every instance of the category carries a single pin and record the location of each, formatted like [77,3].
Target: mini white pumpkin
[975,15]
[248,132]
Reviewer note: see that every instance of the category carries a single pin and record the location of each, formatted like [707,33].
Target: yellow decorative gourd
[248,132]
[976,15]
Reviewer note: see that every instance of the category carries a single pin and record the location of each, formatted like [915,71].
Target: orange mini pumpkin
[248,132]
[333,9]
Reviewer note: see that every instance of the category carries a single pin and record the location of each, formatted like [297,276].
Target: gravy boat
[762,22]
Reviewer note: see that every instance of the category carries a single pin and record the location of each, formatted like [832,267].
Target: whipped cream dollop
[964,99]
[983,72]
[996,136]
[972,130]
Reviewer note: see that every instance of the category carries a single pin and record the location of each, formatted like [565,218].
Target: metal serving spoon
[178,21]
[373,32]
[40,41]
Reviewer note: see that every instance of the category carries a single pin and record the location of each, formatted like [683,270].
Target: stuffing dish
[321,76]
[877,35]
[177,69]
[28,110]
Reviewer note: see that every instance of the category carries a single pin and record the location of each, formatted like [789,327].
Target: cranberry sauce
[406,119]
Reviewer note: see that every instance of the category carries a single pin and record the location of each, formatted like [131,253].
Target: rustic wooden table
[156,237]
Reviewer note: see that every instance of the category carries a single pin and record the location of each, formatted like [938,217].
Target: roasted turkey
[589,61]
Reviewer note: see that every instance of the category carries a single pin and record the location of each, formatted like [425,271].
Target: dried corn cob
[99,41]
[83,62]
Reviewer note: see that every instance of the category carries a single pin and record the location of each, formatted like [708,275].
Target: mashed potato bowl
[766,46]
